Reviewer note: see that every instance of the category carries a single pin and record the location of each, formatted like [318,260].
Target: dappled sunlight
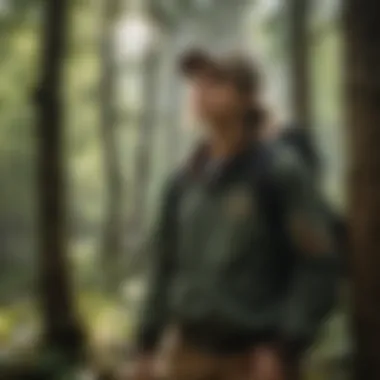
[135,36]
[95,118]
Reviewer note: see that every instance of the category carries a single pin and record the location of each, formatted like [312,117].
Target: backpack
[299,140]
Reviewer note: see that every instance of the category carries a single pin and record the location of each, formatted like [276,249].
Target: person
[227,296]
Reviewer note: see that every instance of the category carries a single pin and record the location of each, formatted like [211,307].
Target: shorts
[179,358]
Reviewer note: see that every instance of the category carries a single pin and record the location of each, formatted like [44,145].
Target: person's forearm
[163,246]
[154,312]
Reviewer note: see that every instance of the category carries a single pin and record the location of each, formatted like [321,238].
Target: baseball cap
[235,67]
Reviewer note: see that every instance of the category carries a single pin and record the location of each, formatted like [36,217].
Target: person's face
[216,100]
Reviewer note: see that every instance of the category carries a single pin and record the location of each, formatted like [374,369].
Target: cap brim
[195,61]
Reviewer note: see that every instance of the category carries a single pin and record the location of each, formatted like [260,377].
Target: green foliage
[106,319]
[17,153]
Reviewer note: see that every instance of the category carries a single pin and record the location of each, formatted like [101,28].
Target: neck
[228,140]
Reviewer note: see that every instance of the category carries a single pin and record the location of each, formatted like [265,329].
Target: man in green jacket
[243,268]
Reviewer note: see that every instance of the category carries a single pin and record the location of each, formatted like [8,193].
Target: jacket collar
[196,167]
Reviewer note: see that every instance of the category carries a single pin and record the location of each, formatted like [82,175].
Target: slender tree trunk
[174,93]
[62,329]
[362,37]
[112,244]
[136,224]
[144,147]
[299,56]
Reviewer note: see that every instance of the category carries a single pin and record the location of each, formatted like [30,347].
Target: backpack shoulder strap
[272,203]
[265,184]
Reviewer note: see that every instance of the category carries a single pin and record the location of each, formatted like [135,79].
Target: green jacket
[227,269]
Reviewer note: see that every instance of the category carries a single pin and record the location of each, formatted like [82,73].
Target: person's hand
[143,368]
[267,363]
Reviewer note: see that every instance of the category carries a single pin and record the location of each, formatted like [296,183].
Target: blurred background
[93,118]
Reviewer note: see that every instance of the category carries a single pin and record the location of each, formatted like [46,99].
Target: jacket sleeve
[153,316]
[312,288]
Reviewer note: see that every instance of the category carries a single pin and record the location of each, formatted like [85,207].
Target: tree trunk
[299,56]
[144,148]
[62,329]
[362,37]
[112,244]
[173,92]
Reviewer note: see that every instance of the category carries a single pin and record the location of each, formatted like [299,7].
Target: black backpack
[300,140]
